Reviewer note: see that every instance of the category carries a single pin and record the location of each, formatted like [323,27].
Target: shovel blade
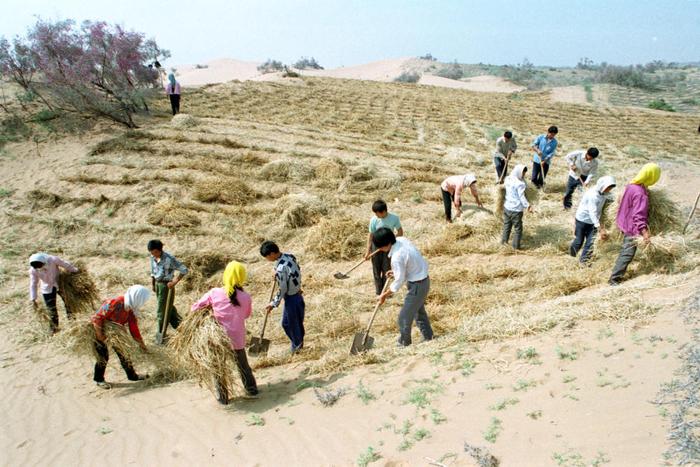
[340,275]
[159,338]
[361,344]
[258,346]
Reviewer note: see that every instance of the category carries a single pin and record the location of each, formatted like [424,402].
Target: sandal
[104,385]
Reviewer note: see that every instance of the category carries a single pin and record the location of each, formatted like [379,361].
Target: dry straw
[203,348]
[79,290]
[283,170]
[531,193]
[664,214]
[224,190]
[302,211]
[170,213]
[205,268]
[337,238]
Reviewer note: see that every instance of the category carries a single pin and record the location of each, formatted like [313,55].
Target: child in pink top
[231,306]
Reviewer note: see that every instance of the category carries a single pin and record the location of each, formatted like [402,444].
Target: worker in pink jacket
[44,271]
[452,193]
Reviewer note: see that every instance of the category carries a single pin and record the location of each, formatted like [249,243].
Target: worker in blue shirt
[545,146]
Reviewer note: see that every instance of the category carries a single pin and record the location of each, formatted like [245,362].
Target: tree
[96,69]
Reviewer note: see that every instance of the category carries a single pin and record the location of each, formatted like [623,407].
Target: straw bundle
[203,347]
[79,338]
[531,193]
[283,170]
[170,213]
[337,238]
[664,214]
[79,290]
[663,251]
[224,190]
[204,269]
[449,241]
[330,169]
[302,211]
[184,121]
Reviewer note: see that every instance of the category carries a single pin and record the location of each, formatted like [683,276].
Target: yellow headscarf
[234,275]
[649,175]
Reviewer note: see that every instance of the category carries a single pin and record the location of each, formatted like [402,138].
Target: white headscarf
[135,297]
[40,257]
[468,180]
[518,171]
[604,182]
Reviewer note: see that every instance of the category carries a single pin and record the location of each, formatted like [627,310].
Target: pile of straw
[449,240]
[332,169]
[302,211]
[664,214]
[184,121]
[662,252]
[337,238]
[531,193]
[203,348]
[79,290]
[170,213]
[224,190]
[79,338]
[283,170]
[205,269]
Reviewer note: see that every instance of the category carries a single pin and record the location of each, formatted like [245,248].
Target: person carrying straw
[588,218]
[633,217]
[231,306]
[123,310]
[44,271]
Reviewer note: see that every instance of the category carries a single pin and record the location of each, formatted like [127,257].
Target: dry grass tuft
[224,190]
[79,338]
[330,169]
[184,121]
[204,349]
[337,238]
[449,241]
[170,213]
[283,170]
[79,290]
[531,193]
[303,211]
[663,252]
[205,269]
[45,199]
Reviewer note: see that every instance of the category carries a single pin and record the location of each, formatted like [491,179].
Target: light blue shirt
[548,148]
[390,221]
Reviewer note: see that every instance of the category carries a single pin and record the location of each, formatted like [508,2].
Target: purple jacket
[634,210]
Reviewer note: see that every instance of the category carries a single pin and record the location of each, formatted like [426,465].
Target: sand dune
[486,83]
[217,71]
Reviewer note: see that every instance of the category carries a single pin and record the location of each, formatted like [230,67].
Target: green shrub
[408,77]
[452,71]
[660,104]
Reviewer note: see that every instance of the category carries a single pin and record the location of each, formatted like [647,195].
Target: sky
[350,32]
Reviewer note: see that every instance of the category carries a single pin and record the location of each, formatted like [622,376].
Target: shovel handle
[272,294]
[360,263]
[505,169]
[374,314]
[166,312]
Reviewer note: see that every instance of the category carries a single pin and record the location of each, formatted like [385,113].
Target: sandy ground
[486,83]
[217,71]
[568,94]
[594,404]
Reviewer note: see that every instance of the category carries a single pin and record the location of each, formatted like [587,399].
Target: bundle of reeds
[79,290]
[202,347]
[531,193]
[170,213]
[663,251]
[224,190]
[79,338]
[664,214]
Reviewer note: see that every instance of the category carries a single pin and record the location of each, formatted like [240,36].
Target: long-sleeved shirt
[407,263]
[547,146]
[503,147]
[633,214]
[164,269]
[584,169]
[515,195]
[455,184]
[47,276]
[591,207]
[170,89]
[288,277]
[115,311]
[231,317]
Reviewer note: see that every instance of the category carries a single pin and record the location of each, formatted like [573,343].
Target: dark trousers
[571,184]
[175,103]
[173,317]
[380,266]
[246,374]
[103,358]
[629,249]
[50,301]
[512,221]
[413,309]
[501,168]
[585,236]
[447,199]
[539,173]
[293,320]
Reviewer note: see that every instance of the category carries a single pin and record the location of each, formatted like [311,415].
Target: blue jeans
[293,320]
[585,235]
[571,184]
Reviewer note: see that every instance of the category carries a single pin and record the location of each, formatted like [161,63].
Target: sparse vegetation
[367,457]
[305,63]
[493,430]
[408,77]
[270,66]
[661,104]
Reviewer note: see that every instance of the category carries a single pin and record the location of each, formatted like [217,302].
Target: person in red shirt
[123,310]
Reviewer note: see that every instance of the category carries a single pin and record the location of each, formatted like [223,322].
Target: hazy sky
[349,32]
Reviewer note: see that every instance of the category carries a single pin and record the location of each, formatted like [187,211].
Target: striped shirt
[288,277]
[163,270]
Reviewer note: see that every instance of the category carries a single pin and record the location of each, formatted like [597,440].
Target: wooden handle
[166,312]
[376,308]
[505,169]
[360,263]
[687,223]
[272,294]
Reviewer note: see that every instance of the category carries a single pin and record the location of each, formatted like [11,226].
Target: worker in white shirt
[583,166]
[588,218]
[407,266]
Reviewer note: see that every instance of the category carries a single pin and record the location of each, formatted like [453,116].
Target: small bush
[270,66]
[627,76]
[408,77]
[307,64]
[428,56]
[660,104]
[452,71]
[289,73]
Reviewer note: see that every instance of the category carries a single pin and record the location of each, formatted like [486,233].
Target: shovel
[340,275]
[160,335]
[260,345]
[363,341]
[505,169]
